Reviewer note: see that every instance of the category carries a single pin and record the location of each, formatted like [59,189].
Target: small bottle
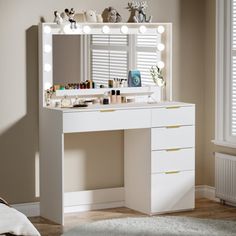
[113,96]
[118,96]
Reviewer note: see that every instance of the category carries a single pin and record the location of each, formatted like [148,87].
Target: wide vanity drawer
[106,120]
[172,191]
[173,116]
[173,137]
[173,160]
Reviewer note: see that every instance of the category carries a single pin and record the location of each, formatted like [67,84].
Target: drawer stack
[172,159]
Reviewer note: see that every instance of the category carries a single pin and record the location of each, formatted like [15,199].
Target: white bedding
[14,222]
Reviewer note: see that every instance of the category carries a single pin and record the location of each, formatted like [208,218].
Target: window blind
[233,68]
[109,57]
[147,56]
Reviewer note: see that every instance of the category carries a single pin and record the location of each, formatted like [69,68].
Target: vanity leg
[51,167]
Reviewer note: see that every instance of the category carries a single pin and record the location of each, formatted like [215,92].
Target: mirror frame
[47,30]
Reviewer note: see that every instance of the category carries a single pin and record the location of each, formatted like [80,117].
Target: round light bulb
[47,48]
[86,29]
[161,29]
[160,82]
[161,47]
[47,29]
[142,29]
[124,29]
[161,64]
[47,67]
[105,29]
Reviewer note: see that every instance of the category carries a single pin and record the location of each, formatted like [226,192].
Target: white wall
[19,82]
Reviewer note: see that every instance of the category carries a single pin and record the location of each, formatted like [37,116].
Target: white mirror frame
[47,30]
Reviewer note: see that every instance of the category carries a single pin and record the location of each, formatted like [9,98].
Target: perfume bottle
[65,102]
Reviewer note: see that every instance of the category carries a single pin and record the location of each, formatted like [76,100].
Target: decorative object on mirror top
[134,79]
[73,18]
[137,12]
[157,76]
[113,15]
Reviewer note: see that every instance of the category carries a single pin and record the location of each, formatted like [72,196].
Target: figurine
[157,76]
[70,14]
[137,10]
[113,16]
[58,19]
[90,16]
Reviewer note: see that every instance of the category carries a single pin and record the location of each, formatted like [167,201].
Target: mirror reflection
[105,57]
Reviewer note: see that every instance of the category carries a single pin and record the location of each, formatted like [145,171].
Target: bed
[14,222]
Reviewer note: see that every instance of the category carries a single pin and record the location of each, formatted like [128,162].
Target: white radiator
[225,177]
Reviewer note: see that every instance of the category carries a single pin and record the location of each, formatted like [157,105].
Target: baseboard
[33,209]
[29,209]
[205,191]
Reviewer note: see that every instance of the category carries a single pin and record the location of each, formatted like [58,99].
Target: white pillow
[14,222]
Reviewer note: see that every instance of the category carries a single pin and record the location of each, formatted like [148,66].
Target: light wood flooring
[204,209]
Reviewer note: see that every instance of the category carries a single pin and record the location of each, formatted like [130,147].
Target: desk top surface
[123,106]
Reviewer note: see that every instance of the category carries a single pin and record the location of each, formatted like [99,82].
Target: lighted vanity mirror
[103,57]
[100,52]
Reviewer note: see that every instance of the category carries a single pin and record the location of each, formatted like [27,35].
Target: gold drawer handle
[173,126]
[172,172]
[174,107]
[107,110]
[173,150]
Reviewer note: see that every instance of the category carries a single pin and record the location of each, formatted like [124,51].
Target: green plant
[157,76]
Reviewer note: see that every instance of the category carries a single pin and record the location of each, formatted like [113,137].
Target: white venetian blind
[147,56]
[233,64]
[109,57]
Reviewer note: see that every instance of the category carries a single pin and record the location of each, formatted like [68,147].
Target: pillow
[14,222]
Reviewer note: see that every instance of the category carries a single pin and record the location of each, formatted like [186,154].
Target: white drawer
[172,192]
[173,116]
[173,137]
[106,120]
[173,160]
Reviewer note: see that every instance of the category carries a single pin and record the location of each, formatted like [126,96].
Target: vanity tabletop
[122,106]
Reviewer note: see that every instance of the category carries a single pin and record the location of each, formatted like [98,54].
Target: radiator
[225,177]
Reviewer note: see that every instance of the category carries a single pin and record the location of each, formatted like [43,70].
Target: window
[226,73]
[112,56]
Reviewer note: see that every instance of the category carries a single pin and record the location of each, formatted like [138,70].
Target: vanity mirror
[100,53]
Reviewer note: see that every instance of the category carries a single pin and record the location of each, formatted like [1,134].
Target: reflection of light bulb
[86,29]
[105,29]
[47,67]
[47,48]
[142,29]
[161,64]
[47,29]
[124,29]
[47,86]
[161,29]
[161,47]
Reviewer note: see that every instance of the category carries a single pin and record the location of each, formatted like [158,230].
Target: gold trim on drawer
[173,149]
[173,126]
[107,110]
[174,107]
[172,172]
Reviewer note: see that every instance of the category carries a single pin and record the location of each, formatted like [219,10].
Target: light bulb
[124,29]
[47,29]
[161,29]
[142,29]
[86,29]
[161,64]
[161,47]
[105,29]
[47,67]
[47,48]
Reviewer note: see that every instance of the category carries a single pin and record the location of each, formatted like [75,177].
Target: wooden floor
[204,209]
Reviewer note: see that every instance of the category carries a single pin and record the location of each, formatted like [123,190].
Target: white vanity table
[159,148]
